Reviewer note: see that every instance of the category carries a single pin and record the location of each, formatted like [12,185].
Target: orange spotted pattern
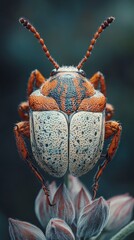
[48,87]
[68,90]
[40,103]
[89,91]
[96,103]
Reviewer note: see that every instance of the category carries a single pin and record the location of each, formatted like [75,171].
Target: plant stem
[123,233]
[102,236]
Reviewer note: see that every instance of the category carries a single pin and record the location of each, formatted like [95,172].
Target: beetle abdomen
[86,141]
[49,141]
[59,141]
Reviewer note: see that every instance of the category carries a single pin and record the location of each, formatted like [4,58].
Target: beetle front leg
[23,111]
[97,79]
[114,129]
[36,79]
[22,130]
[109,111]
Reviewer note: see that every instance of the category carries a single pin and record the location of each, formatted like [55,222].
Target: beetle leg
[97,79]
[22,130]
[112,129]
[36,79]
[109,111]
[23,111]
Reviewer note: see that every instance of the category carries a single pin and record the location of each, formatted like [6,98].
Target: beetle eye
[54,71]
[82,73]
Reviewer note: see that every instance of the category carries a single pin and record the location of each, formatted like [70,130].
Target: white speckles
[49,141]
[58,142]
[86,141]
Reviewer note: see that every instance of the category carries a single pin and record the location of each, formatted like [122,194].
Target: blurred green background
[67,27]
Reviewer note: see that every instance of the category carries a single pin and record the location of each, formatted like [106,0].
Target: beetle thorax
[68,87]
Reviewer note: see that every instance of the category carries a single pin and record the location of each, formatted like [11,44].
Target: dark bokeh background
[67,27]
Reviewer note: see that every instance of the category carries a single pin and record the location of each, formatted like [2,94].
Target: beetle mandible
[66,118]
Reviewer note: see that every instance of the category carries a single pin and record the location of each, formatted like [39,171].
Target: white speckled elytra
[60,142]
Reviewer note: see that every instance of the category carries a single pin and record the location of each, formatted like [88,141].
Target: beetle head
[67,70]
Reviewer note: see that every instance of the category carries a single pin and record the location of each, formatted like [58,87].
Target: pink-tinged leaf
[52,188]
[74,186]
[42,208]
[63,207]
[121,210]
[93,219]
[82,199]
[57,229]
[19,230]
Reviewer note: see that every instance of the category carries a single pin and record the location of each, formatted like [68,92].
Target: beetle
[66,118]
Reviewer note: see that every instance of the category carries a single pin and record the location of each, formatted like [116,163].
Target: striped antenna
[104,25]
[32,29]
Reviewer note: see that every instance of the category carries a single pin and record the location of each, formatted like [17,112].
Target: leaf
[93,219]
[19,230]
[57,229]
[63,207]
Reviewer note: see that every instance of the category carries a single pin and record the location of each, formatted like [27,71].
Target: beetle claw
[46,191]
[49,203]
[95,189]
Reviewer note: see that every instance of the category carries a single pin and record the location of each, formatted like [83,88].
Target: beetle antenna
[32,29]
[104,25]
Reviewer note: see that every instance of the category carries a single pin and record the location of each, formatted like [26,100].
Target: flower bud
[57,229]
[93,219]
[63,207]
[82,199]
[42,207]
[74,187]
[121,210]
[19,230]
